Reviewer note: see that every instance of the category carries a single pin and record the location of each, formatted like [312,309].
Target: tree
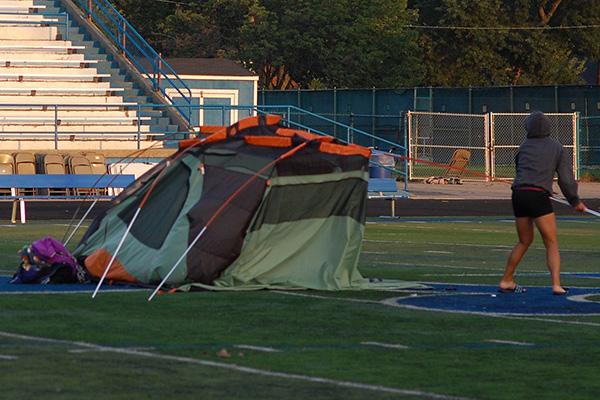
[462,57]
[344,43]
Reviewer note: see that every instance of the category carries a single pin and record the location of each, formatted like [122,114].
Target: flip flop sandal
[517,289]
[561,293]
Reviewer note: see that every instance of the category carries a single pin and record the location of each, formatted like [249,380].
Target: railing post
[139,123]
[67,26]
[123,37]
[55,127]
[158,72]
[222,115]
[89,13]
[289,116]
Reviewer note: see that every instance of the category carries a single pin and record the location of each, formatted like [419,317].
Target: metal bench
[386,188]
[42,181]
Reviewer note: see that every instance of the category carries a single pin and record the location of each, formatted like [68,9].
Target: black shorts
[531,203]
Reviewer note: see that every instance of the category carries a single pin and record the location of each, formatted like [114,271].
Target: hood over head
[537,125]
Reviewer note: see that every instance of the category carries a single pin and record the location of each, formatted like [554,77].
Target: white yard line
[257,348]
[8,358]
[510,342]
[438,252]
[78,351]
[238,368]
[493,246]
[386,345]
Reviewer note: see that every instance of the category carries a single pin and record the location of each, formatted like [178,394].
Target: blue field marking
[9,288]
[485,299]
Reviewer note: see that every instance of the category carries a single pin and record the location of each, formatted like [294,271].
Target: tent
[255,205]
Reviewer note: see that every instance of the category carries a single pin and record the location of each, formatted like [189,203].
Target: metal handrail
[285,111]
[128,35]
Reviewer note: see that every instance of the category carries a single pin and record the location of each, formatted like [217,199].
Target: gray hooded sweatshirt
[540,156]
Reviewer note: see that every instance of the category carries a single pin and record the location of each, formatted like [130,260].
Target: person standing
[538,159]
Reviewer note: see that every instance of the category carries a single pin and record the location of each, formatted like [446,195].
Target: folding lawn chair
[7,167]
[457,165]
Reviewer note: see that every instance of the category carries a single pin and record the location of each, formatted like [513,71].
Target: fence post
[490,159]
[576,153]
[55,127]
[289,116]
[405,151]
[139,122]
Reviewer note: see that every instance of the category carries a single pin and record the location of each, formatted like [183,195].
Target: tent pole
[81,221]
[116,252]
[177,263]
[136,154]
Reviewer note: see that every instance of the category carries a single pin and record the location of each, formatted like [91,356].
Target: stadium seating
[6,168]
[25,165]
[53,95]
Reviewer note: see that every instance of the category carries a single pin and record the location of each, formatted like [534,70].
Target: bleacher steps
[97,102]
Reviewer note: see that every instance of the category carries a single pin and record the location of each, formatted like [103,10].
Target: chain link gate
[493,140]
[434,137]
[507,132]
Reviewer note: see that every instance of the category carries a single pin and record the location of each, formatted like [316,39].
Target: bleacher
[53,95]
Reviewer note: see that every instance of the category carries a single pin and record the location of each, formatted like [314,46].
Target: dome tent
[262,206]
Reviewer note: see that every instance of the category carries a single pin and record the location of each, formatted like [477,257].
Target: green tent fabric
[264,206]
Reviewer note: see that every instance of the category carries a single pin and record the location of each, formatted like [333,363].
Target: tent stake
[116,252]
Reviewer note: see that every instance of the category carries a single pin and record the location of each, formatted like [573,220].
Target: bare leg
[524,227]
[546,224]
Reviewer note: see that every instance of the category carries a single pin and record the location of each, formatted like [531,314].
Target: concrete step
[104,128]
[58,100]
[65,91]
[70,113]
[29,32]
[105,121]
[54,84]
[82,75]
[47,71]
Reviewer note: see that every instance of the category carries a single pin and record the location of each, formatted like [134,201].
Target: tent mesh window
[162,209]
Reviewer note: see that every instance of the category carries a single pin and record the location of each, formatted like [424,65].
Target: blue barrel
[377,171]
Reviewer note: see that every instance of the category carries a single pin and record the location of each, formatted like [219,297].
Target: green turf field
[308,344]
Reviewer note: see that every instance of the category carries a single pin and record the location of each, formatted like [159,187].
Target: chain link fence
[508,132]
[434,139]
[589,147]
[492,140]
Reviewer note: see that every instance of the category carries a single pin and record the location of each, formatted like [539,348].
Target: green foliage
[356,43]
[459,57]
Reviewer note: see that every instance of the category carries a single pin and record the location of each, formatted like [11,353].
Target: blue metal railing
[60,126]
[140,53]
[43,22]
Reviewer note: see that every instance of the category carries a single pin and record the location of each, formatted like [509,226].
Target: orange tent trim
[97,262]
[268,141]
[345,150]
